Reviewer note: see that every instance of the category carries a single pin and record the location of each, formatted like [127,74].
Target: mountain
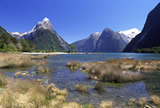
[89,44]
[44,37]
[110,41]
[10,44]
[95,42]
[130,34]
[7,42]
[150,35]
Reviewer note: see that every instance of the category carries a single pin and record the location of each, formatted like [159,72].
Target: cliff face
[110,41]
[88,44]
[150,35]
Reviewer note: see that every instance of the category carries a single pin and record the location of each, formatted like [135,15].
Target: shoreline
[53,53]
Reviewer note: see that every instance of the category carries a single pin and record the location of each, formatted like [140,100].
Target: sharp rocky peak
[45,24]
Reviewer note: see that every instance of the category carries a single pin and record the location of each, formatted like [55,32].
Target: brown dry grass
[142,101]
[43,68]
[155,99]
[100,87]
[30,94]
[3,80]
[107,72]
[39,56]
[106,104]
[82,88]
[132,101]
[73,65]
[15,60]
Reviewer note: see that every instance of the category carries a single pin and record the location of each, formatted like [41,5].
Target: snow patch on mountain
[45,24]
[130,34]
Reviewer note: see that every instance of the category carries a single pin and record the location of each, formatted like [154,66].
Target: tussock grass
[100,87]
[71,105]
[155,99]
[142,101]
[43,68]
[132,101]
[107,72]
[3,80]
[15,60]
[88,106]
[82,88]
[106,104]
[39,56]
[74,65]
[30,94]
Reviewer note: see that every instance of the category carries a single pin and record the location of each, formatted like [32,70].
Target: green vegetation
[10,44]
[7,42]
[87,106]
[73,48]
[149,50]
[42,41]
[46,40]
[26,45]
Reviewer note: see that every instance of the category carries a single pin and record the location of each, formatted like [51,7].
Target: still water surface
[65,79]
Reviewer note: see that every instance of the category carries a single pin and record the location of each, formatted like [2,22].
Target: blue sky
[75,19]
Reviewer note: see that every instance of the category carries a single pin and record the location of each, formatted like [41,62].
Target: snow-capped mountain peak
[45,24]
[45,20]
[130,34]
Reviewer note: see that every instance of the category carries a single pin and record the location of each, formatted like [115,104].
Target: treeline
[11,44]
[149,50]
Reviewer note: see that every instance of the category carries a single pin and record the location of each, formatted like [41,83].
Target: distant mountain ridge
[88,44]
[150,35]
[44,37]
[107,41]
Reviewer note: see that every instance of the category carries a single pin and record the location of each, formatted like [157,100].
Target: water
[65,79]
